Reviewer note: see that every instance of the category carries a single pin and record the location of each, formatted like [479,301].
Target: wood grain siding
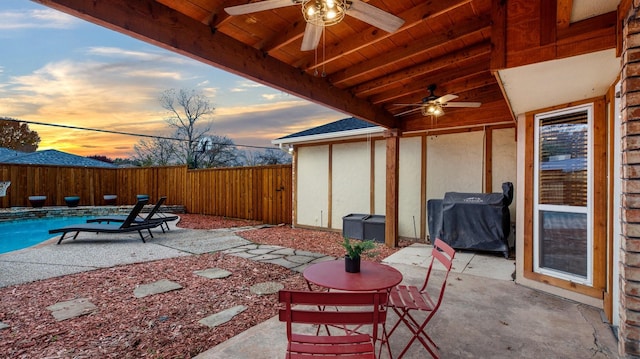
[257,193]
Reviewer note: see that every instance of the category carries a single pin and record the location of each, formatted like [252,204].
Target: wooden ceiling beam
[155,23]
[413,17]
[589,35]
[468,28]
[397,78]
[292,33]
[458,86]
[414,90]
[492,113]
[548,29]
[563,16]
[219,17]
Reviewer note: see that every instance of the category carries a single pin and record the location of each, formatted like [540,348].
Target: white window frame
[537,207]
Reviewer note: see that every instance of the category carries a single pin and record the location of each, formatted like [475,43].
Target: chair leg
[62,237]
[417,331]
[141,236]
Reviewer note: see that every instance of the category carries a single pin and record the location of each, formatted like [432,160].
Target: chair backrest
[322,308]
[134,213]
[155,208]
[442,253]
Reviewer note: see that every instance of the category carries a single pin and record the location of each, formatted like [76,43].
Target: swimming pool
[25,233]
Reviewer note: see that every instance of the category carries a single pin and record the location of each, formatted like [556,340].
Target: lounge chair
[151,217]
[127,226]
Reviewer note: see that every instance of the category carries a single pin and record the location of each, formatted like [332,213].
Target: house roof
[6,154]
[49,157]
[347,127]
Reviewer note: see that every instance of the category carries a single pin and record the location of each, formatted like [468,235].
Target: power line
[121,133]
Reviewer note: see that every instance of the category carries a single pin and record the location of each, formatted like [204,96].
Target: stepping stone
[161,286]
[266,288]
[222,317]
[71,309]
[3,325]
[213,273]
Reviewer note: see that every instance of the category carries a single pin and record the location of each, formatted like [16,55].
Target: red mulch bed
[158,326]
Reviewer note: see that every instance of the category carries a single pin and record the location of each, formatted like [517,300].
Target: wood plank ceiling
[359,69]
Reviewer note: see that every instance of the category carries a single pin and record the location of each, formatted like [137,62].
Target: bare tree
[269,156]
[188,116]
[218,151]
[155,152]
[17,136]
[273,157]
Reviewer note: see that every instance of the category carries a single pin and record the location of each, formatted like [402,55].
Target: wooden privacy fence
[260,193]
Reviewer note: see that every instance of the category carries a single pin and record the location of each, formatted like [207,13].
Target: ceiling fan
[433,105]
[321,13]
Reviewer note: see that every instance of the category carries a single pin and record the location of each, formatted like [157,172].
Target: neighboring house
[49,157]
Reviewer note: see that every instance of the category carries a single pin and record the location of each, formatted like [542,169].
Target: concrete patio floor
[484,314]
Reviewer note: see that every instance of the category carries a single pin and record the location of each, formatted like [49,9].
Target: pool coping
[17,213]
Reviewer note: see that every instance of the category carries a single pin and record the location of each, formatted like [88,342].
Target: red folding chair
[405,300]
[328,309]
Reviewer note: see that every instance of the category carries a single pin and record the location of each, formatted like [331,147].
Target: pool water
[25,233]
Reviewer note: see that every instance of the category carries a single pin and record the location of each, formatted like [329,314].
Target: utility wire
[121,133]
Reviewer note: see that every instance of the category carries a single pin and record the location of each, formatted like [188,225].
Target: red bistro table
[372,276]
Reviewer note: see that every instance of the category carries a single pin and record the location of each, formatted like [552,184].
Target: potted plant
[355,249]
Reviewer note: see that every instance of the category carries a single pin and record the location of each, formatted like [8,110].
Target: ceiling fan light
[323,12]
[432,109]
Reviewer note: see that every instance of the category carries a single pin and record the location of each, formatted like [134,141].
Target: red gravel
[159,326]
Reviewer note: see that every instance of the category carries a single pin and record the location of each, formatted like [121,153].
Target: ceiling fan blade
[446,98]
[311,39]
[257,6]
[374,16]
[407,112]
[462,104]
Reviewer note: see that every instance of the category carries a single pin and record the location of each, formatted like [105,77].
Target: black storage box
[374,228]
[353,225]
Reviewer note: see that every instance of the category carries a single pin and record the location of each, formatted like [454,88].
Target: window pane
[563,160]
[563,242]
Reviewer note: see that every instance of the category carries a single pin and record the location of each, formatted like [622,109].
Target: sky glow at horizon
[59,69]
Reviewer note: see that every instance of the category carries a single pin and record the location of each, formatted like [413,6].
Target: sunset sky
[58,69]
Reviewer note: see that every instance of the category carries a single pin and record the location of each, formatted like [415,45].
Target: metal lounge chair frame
[138,219]
[407,299]
[127,226]
[323,309]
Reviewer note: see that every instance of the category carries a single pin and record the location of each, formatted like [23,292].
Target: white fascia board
[329,136]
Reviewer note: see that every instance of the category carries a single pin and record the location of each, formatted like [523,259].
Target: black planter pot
[37,201]
[72,201]
[352,265]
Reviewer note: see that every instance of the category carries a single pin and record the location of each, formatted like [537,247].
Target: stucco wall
[454,162]
[409,187]
[351,163]
[312,186]
[380,177]
[504,163]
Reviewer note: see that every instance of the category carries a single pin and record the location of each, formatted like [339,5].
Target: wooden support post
[391,212]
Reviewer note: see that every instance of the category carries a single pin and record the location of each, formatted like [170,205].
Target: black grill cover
[477,221]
